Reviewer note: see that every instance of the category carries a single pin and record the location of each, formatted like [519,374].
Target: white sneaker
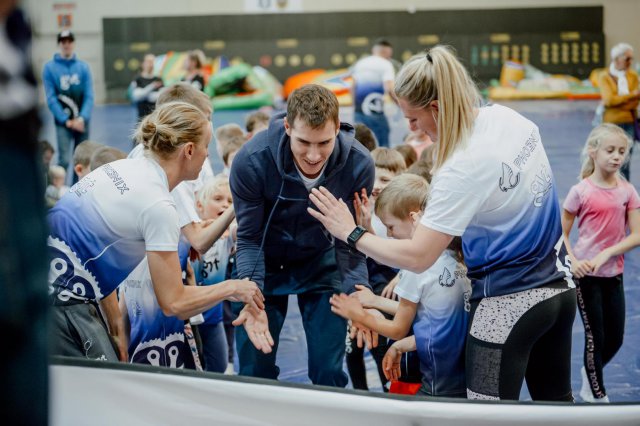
[229,371]
[585,390]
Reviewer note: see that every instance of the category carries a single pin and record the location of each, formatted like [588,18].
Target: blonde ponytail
[439,75]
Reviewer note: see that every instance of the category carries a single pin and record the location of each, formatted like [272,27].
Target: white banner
[272,6]
[103,396]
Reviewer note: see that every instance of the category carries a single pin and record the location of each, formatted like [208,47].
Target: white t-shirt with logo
[369,75]
[442,293]
[498,193]
[103,227]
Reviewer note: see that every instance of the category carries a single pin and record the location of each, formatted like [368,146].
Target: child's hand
[600,259]
[347,307]
[387,291]
[580,268]
[365,296]
[362,207]
[391,363]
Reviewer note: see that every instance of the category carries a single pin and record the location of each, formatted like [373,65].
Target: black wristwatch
[355,235]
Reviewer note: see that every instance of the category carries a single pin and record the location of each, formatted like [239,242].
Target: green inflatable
[242,87]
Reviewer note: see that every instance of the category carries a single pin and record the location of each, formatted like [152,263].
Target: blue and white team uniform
[498,193]
[442,293]
[210,270]
[103,227]
[369,75]
[155,338]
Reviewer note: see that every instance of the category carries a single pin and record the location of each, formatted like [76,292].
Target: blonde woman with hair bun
[114,217]
[492,185]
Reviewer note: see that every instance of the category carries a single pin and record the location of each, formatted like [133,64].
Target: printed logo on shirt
[526,151]
[446,280]
[161,352]
[115,177]
[508,180]
[67,80]
[373,103]
[467,300]
[83,186]
[541,186]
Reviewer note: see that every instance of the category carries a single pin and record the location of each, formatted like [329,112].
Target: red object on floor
[404,388]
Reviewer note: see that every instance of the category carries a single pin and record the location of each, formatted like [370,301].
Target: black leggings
[355,362]
[521,335]
[601,305]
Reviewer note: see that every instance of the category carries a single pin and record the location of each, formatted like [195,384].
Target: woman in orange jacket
[620,94]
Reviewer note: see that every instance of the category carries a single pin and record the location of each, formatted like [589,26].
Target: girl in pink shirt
[606,205]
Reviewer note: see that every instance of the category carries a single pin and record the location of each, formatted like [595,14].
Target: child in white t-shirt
[57,188]
[389,164]
[212,201]
[435,302]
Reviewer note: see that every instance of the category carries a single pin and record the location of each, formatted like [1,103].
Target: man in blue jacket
[69,91]
[282,247]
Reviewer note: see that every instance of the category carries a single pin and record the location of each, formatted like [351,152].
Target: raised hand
[387,291]
[333,213]
[256,324]
[362,207]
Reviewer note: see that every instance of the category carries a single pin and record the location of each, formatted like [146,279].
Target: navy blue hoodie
[265,183]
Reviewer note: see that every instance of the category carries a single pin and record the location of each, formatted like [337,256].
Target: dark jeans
[602,309]
[325,340]
[214,347]
[355,362]
[67,141]
[24,305]
[378,124]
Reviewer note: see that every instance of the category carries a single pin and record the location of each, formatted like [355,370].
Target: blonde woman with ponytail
[606,205]
[492,185]
[114,217]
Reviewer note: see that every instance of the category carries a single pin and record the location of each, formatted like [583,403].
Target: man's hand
[256,325]
[246,291]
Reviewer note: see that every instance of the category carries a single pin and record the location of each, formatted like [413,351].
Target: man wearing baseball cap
[69,91]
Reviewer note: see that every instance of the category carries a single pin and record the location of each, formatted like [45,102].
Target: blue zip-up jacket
[68,88]
[265,184]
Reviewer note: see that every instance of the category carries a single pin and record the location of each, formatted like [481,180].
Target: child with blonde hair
[212,201]
[57,188]
[606,205]
[435,302]
[388,163]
